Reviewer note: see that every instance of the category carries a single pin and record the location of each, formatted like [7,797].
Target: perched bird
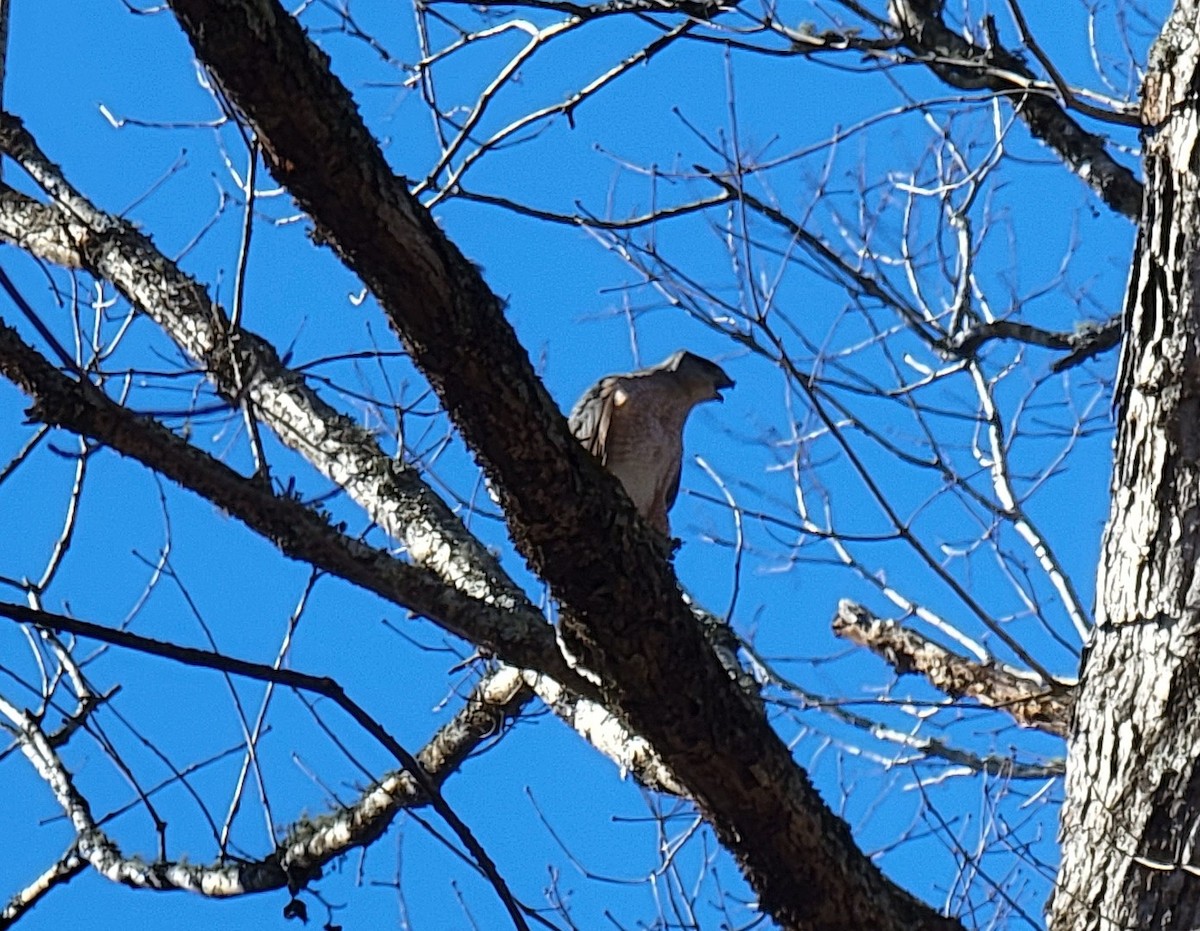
[634,425]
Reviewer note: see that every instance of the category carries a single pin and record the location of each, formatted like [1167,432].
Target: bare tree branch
[317,842]
[1083,343]
[386,488]
[241,364]
[299,531]
[66,868]
[622,611]
[961,63]
[1029,700]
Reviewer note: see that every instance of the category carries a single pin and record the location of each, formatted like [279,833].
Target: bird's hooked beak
[722,384]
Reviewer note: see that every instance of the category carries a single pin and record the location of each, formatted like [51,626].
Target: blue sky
[1047,252]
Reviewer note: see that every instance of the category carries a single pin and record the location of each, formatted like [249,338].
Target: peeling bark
[1025,696]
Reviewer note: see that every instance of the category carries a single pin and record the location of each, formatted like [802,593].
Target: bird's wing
[592,416]
[673,486]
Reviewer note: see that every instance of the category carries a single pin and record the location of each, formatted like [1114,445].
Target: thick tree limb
[621,604]
[963,64]
[295,528]
[405,507]
[246,368]
[1030,701]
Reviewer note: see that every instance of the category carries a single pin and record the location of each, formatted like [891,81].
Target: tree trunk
[1132,814]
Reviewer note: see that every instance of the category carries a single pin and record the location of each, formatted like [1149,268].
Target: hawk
[633,424]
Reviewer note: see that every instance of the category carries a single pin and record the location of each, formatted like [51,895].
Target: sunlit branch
[997,463]
[392,493]
[103,854]
[604,731]
[298,530]
[1029,699]
[66,868]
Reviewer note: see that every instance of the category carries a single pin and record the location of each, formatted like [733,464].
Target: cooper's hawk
[634,425]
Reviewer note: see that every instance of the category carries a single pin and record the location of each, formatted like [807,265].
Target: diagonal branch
[393,495]
[300,857]
[63,870]
[245,367]
[1026,697]
[962,64]
[622,610]
[298,530]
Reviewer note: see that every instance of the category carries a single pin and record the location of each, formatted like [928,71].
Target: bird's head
[703,380]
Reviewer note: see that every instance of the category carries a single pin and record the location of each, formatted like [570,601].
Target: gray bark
[1129,824]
